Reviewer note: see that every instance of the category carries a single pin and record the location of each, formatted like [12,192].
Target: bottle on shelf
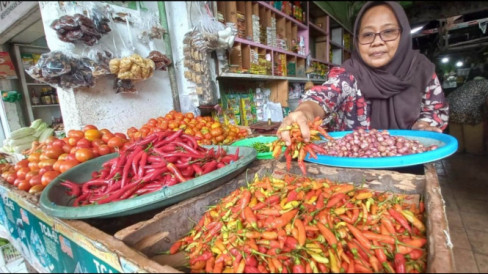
[35,99]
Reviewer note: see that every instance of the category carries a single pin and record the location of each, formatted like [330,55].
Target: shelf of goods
[135,243]
[41,100]
[280,43]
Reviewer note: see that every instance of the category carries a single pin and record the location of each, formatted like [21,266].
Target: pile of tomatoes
[209,131]
[56,156]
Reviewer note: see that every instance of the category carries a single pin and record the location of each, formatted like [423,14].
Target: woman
[385,84]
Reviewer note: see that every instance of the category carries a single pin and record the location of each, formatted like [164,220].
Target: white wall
[179,25]
[100,105]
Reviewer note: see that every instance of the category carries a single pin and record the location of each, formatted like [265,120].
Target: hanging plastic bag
[75,27]
[62,71]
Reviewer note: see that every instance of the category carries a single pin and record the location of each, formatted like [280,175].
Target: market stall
[135,185]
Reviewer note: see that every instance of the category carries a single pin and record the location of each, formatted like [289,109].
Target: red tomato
[11,176]
[22,172]
[45,169]
[58,143]
[24,185]
[34,166]
[67,148]
[31,174]
[73,140]
[84,143]
[103,149]
[63,156]
[49,176]
[70,156]
[97,142]
[34,157]
[107,136]
[36,189]
[73,133]
[121,135]
[115,141]
[48,162]
[84,154]
[17,182]
[54,152]
[88,127]
[21,163]
[66,165]
[36,180]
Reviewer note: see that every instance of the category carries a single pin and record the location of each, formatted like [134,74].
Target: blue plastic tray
[447,145]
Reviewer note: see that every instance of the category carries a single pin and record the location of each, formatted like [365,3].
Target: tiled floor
[464,183]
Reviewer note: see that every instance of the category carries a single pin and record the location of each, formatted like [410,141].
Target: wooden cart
[135,243]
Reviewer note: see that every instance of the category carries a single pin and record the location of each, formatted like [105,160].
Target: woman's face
[377,19]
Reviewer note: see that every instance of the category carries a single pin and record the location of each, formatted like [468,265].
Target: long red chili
[176,172]
[400,219]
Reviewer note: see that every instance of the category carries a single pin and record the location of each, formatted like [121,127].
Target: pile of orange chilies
[299,148]
[305,225]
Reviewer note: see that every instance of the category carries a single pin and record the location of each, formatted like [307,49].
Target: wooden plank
[248,15]
[440,255]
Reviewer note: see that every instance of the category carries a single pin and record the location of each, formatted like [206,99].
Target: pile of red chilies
[162,159]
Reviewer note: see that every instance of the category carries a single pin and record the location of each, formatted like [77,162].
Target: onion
[373,143]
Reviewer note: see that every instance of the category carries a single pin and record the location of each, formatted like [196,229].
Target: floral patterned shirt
[347,109]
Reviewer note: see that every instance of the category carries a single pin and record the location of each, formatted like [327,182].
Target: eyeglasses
[385,35]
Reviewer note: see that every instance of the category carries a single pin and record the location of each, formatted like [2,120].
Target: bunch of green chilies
[298,147]
[303,225]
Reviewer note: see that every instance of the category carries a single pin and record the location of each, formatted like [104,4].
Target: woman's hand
[304,113]
[422,125]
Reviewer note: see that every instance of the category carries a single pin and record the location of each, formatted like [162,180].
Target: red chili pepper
[142,164]
[287,157]
[244,202]
[335,199]
[380,254]
[283,220]
[399,263]
[80,198]
[176,172]
[400,219]
[251,261]
[309,149]
[92,183]
[328,235]
[250,217]
[205,256]
[298,268]
[175,247]
[74,188]
[379,237]
[291,242]
[210,166]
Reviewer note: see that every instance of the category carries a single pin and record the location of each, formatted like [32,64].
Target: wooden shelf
[335,44]
[282,14]
[321,61]
[317,29]
[259,45]
[37,84]
[43,106]
[266,77]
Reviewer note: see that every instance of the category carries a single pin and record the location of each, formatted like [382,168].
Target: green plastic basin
[260,139]
[55,202]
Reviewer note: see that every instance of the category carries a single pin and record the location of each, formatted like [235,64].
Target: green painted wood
[169,54]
